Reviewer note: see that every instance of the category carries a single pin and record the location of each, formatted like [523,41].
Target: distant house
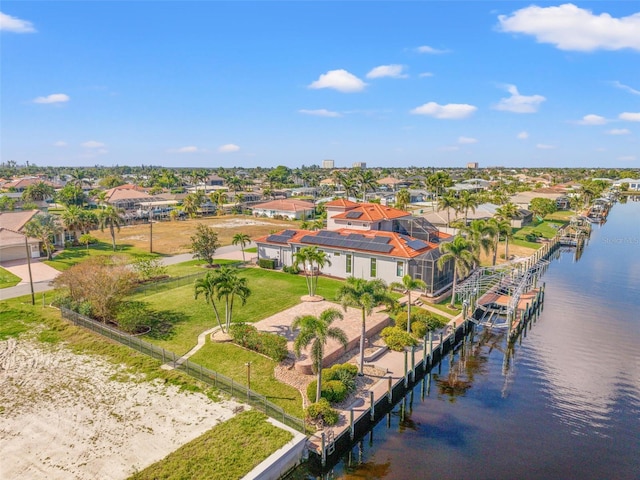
[21,184]
[128,197]
[285,208]
[12,238]
[634,183]
[214,180]
[482,212]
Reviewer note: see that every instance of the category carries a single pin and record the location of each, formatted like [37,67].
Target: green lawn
[193,266]
[546,229]
[229,360]
[561,216]
[229,450]
[251,250]
[272,292]
[8,279]
[524,243]
[73,255]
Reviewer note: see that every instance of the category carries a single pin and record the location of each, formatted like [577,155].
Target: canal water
[563,403]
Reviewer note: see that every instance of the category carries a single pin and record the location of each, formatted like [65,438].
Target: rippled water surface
[565,405]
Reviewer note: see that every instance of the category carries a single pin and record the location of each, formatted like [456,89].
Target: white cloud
[393,71]
[517,103]
[321,112]
[630,116]
[467,140]
[627,158]
[618,131]
[93,144]
[544,146]
[53,98]
[188,149]
[340,80]
[522,135]
[621,86]
[449,111]
[425,74]
[430,50]
[228,148]
[569,27]
[60,143]
[592,119]
[15,25]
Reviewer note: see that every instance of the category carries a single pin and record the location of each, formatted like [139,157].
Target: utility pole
[26,245]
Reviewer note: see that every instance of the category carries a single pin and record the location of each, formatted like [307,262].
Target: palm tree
[481,235]
[312,260]
[318,331]
[44,227]
[231,286]
[72,219]
[507,211]
[349,186]
[243,240]
[192,203]
[365,295]
[218,197]
[447,202]
[112,217]
[459,252]
[407,285]
[468,201]
[367,181]
[503,228]
[209,287]
[403,198]
[38,192]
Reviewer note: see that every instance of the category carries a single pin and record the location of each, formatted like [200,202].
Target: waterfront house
[285,208]
[368,241]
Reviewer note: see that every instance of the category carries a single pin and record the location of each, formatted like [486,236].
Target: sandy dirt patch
[63,416]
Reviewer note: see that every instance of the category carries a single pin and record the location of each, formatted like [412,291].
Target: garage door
[12,253]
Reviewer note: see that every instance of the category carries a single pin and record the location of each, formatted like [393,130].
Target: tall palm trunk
[319,380]
[453,287]
[113,236]
[506,248]
[409,311]
[362,334]
[495,249]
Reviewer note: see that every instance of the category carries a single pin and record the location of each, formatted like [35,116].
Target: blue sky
[210,84]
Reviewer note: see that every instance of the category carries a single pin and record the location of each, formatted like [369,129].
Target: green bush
[396,338]
[133,317]
[293,269]
[267,263]
[422,322]
[269,344]
[334,391]
[322,411]
[419,328]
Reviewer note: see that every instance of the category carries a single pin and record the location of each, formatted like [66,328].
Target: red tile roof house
[286,208]
[368,241]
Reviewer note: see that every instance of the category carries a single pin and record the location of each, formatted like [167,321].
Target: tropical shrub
[332,390]
[397,338]
[322,411]
[149,268]
[293,269]
[267,263]
[133,317]
[269,344]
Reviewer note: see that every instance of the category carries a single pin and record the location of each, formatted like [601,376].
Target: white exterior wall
[385,266]
[352,224]
[281,253]
[299,215]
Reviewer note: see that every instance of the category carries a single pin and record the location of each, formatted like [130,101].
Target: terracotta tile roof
[9,238]
[125,192]
[399,242]
[26,182]
[286,205]
[16,220]
[341,202]
[389,181]
[372,212]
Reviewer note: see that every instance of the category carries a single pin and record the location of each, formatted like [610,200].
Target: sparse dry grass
[173,237]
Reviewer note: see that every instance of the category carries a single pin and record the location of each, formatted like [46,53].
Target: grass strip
[228,451]
[8,279]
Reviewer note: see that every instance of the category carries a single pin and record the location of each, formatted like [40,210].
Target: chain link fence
[214,379]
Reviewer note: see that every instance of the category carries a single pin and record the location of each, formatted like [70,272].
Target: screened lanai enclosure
[425,267]
[416,227]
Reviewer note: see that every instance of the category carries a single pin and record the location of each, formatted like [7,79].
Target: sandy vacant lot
[171,238]
[62,416]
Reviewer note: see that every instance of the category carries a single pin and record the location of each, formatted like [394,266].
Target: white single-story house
[12,239]
[634,183]
[285,208]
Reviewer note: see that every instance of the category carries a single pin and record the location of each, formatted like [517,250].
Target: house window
[373,268]
[349,263]
[400,269]
[336,254]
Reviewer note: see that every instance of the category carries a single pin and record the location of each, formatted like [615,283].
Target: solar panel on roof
[417,244]
[355,236]
[380,239]
[278,238]
[354,214]
[288,233]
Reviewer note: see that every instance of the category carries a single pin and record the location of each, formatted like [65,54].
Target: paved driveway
[40,271]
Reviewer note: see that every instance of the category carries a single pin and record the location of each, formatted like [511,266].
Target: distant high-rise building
[472,165]
[328,164]
[359,164]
